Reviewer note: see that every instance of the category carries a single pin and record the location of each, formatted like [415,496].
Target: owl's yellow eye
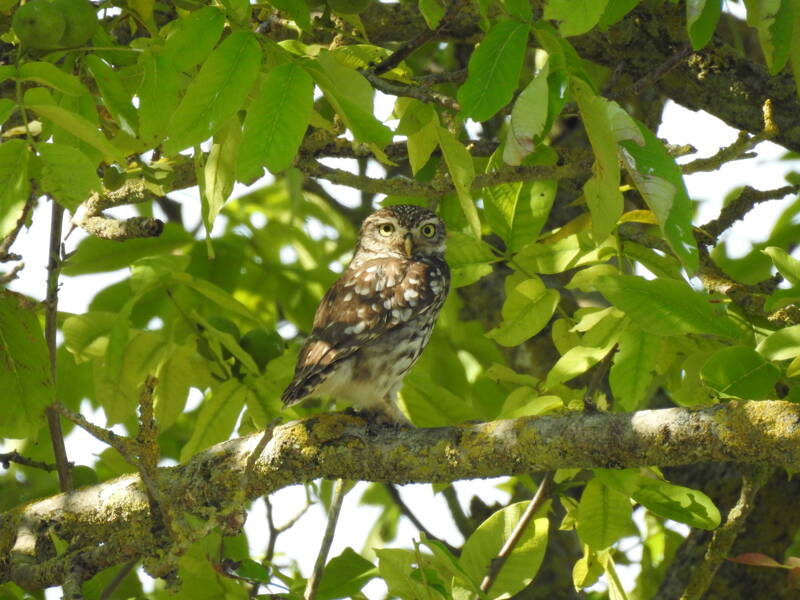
[386,229]
[428,230]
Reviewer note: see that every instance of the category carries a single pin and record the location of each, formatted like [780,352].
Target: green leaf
[566,253]
[192,38]
[702,17]
[469,258]
[276,121]
[115,97]
[420,123]
[740,372]
[787,265]
[666,307]
[119,378]
[297,10]
[218,91]
[176,375]
[48,74]
[493,70]
[604,515]
[594,347]
[216,294]
[663,498]
[575,16]
[631,374]
[345,575]
[526,311]
[486,541]
[158,95]
[94,255]
[14,182]
[7,107]
[217,416]
[41,102]
[86,335]
[432,11]
[462,171]
[396,567]
[67,174]
[602,189]
[658,178]
[528,119]
[519,9]
[24,367]
[351,96]
[773,19]
[220,169]
[782,344]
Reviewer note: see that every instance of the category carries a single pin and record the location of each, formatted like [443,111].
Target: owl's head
[403,230]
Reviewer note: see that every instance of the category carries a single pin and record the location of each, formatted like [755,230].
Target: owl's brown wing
[367,301]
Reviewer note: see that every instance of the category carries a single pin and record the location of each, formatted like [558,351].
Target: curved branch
[117,513]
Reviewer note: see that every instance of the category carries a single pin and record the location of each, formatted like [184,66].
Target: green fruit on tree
[39,24]
[262,345]
[81,21]
[348,7]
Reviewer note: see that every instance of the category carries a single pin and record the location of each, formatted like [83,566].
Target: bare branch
[314,580]
[6,458]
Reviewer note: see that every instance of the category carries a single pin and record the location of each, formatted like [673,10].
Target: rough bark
[215,485]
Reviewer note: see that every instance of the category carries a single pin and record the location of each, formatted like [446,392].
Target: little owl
[374,322]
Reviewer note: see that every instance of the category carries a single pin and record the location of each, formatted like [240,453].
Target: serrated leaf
[218,91]
[773,19]
[67,174]
[276,121]
[575,16]
[14,182]
[604,515]
[486,541]
[658,178]
[351,96]
[740,372]
[493,70]
[469,258]
[566,253]
[116,98]
[528,118]
[192,38]
[666,307]
[602,189]
[420,123]
[41,102]
[432,11]
[176,375]
[220,169]
[526,310]
[158,95]
[50,75]
[702,17]
[633,369]
[24,367]
[462,172]
[782,344]
[217,416]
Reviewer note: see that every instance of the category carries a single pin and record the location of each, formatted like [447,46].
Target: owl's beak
[408,245]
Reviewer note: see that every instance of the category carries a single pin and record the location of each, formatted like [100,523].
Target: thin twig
[327,539]
[463,522]
[542,492]
[398,500]
[423,37]
[50,328]
[722,540]
[423,94]
[735,210]
[15,457]
[654,75]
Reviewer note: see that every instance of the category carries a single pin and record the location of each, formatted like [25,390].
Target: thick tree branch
[117,513]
